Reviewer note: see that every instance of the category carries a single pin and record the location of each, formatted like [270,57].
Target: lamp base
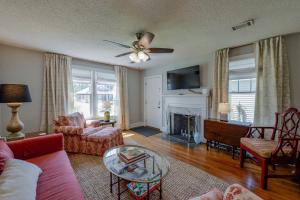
[15,136]
[15,125]
[106,116]
[224,117]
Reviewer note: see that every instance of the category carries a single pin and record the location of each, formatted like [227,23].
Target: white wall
[206,63]
[134,97]
[26,67]
[23,67]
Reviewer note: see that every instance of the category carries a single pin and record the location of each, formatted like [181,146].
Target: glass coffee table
[142,176]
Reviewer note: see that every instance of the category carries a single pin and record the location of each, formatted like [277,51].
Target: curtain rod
[242,45]
[248,44]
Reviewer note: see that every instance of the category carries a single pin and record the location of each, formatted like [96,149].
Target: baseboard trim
[136,124]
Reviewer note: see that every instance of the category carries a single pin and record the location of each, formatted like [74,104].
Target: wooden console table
[228,133]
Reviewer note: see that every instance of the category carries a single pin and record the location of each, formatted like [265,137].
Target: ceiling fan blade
[123,54]
[160,50]
[119,44]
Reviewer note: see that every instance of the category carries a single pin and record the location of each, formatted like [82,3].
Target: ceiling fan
[140,50]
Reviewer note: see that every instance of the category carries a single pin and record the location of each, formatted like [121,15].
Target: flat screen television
[184,78]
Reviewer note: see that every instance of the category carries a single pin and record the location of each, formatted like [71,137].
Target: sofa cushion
[5,154]
[263,147]
[106,132]
[57,182]
[90,131]
[19,180]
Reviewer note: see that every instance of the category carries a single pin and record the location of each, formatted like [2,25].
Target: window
[93,90]
[242,87]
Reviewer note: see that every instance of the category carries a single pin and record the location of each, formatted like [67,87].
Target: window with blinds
[242,88]
[94,90]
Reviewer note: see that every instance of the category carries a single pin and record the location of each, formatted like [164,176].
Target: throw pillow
[19,180]
[238,192]
[5,154]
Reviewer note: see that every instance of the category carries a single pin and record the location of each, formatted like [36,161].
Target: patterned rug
[182,182]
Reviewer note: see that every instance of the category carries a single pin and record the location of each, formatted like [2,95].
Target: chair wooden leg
[242,157]
[264,174]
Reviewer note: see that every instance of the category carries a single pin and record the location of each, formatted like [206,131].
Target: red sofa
[57,181]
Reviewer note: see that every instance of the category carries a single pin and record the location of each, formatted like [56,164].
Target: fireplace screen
[185,123]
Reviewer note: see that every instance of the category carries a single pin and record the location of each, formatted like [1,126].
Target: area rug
[146,131]
[182,182]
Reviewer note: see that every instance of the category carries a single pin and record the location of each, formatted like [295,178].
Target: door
[152,99]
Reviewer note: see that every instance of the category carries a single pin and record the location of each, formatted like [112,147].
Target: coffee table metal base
[119,192]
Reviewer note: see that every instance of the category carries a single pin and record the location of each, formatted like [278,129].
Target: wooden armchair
[280,149]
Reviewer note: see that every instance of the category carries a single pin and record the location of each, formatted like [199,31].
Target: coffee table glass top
[152,167]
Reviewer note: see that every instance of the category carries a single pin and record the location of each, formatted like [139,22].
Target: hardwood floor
[220,164]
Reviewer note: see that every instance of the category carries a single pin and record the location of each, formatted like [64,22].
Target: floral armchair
[80,137]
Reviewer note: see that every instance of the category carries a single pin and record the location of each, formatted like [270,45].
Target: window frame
[94,71]
[239,92]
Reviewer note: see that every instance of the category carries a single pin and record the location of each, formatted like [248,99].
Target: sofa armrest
[69,130]
[37,146]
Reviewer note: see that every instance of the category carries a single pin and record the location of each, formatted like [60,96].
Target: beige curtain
[221,78]
[272,84]
[122,96]
[57,89]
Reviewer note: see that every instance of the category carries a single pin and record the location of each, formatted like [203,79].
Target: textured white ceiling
[194,28]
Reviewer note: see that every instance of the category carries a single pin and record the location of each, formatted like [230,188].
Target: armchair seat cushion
[107,132]
[263,147]
[91,130]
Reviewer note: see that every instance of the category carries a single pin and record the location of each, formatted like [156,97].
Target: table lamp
[14,95]
[224,109]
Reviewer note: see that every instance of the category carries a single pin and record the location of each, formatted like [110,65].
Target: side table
[103,123]
[224,132]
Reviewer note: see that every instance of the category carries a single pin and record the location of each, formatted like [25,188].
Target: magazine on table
[140,189]
[132,171]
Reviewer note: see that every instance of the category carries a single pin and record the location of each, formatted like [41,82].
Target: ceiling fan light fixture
[139,49]
[142,56]
[134,57]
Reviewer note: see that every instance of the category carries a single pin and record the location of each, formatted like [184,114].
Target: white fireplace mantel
[199,101]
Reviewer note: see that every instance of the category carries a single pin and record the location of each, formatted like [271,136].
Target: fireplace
[184,124]
[184,116]
[183,127]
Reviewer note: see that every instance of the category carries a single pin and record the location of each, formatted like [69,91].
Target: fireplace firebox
[182,127]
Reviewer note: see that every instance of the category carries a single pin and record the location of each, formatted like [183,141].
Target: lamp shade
[14,93]
[224,108]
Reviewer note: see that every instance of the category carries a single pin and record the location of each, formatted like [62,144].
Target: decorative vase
[106,116]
